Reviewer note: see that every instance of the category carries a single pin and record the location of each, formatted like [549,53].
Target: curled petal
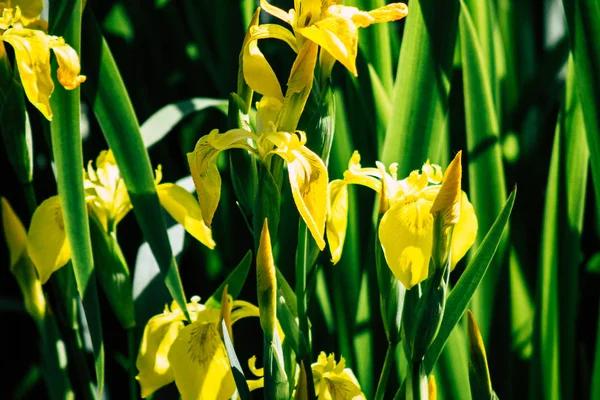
[32,52]
[47,240]
[337,218]
[203,166]
[465,231]
[388,13]
[258,72]
[152,361]
[184,209]
[200,363]
[405,233]
[276,12]
[68,64]
[369,177]
[338,36]
[308,180]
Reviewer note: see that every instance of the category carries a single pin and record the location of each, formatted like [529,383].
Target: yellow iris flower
[406,228]
[332,26]
[333,381]
[306,171]
[108,202]
[21,27]
[194,355]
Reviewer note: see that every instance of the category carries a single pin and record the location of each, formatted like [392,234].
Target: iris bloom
[406,228]
[108,202]
[332,26]
[307,172]
[21,27]
[193,355]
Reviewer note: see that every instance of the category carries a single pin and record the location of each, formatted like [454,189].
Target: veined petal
[32,52]
[152,361]
[47,240]
[184,209]
[68,64]
[308,180]
[337,218]
[258,72]
[200,363]
[276,12]
[465,231]
[339,36]
[406,235]
[307,11]
[203,166]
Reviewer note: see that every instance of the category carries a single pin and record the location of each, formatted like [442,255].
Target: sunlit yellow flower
[108,202]
[406,228]
[21,28]
[333,381]
[193,355]
[307,172]
[20,263]
[334,27]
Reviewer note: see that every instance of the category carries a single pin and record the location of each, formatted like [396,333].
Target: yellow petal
[465,231]
[68,64]
[266,282]
[267,110]
[203,166]
[369,177]
[447,202]
[47,240]
[30,9]
[308,180]
[339,36]
[258,72]
[406,233]
[200,364]
[390,12]
[152,360]
[337,218]
[333,381]
[432,388]
[14,232]
[185,210]
[32,52]
[276,11]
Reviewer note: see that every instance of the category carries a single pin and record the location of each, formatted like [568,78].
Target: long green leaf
[236,368]
[67,152]
[234,282]
[421,90]
[486,172]
[583,20]
[106,92]
[461,294]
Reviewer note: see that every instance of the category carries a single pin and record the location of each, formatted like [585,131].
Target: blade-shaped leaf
[461,294]
[106,92]
[67,152]
[236,368]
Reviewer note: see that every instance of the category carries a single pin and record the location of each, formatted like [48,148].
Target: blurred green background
[538,307]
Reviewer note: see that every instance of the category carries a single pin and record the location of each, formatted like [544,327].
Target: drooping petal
[465,231]
[203,166]
[152,361]
[258,72]
[200,363]
[337,218]
[405,233]
[68,64]
[339,36]
[308,180]
[184,209]
[32,52]
[47,240]
[276,12]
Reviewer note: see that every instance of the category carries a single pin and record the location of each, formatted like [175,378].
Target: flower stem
[385,372]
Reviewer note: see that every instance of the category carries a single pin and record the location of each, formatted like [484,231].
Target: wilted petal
[68,64]
[47,240]
[152,361]
[337,218]
[32,52]
[184,209]
[203,166]
[200,363]
[465,231]
[339,36]
[308,180]
[405,233]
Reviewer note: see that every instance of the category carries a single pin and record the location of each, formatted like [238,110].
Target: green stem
[385,372]
[131,365]
[301,271]
[418,383]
